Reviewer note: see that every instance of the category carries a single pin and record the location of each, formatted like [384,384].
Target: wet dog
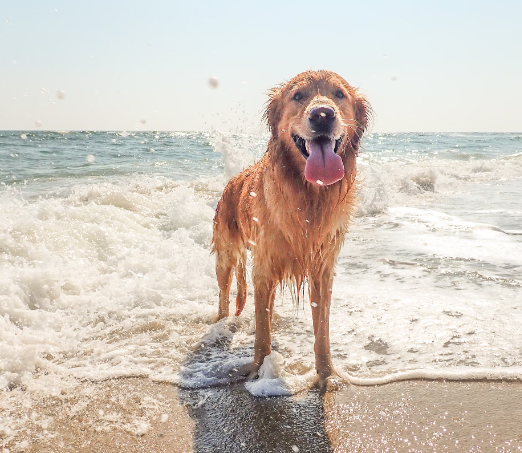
[291,209]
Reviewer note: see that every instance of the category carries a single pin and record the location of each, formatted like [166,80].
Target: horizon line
[220,130]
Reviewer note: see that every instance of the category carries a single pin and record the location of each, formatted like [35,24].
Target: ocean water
[105,265]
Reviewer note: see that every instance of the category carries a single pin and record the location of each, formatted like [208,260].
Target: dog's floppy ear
[273,110]
[363,115]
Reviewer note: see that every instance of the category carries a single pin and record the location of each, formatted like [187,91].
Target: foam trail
[458,374]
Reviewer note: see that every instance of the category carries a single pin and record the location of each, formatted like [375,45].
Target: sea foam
[110,276]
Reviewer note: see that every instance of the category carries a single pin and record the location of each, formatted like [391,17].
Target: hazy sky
[125,65]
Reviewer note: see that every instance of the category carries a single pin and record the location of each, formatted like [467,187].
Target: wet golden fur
[294,228]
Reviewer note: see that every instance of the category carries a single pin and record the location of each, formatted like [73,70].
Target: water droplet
[60,94]
[90,158]
[213,83]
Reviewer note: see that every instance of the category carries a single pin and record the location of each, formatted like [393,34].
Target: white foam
[274,381]
[454,237]
[270,381]
[116,279]
[104,270]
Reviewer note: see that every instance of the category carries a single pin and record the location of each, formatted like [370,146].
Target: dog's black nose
[321,118]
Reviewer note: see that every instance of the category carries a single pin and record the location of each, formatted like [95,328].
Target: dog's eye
[339,94]
[298,96]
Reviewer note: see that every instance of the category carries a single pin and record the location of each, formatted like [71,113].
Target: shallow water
[106,268]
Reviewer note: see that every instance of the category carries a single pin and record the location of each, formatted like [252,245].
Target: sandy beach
[137,415]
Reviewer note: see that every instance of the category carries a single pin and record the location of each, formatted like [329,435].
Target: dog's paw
[249,371]
[217,318]
[329,383]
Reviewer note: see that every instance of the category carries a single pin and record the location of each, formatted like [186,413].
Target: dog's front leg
[264,293]
[321,294]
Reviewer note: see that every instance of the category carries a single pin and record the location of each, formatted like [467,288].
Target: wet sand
[137,415]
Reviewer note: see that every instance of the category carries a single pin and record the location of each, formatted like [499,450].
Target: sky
[426,66]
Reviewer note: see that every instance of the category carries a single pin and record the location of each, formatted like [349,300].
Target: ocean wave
[393,184]
[114,277]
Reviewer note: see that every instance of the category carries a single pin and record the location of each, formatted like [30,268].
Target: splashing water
[106,268]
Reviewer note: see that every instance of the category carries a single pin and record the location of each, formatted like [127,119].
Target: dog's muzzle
[322,119]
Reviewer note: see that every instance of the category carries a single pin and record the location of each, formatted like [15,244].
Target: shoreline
[138,415]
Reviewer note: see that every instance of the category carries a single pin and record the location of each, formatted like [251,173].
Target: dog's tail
[241,286]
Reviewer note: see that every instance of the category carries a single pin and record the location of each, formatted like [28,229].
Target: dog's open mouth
[300,142]
[323,165]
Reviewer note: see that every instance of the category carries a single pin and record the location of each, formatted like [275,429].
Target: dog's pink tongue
[323,166]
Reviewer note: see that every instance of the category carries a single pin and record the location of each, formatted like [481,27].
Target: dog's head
[320,120]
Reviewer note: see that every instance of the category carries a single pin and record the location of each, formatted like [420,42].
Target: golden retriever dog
[291,208]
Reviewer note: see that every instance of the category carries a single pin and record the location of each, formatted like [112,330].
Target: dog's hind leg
[241,284]
[224,269]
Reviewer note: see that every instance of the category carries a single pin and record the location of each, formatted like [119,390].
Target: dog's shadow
[229,419]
